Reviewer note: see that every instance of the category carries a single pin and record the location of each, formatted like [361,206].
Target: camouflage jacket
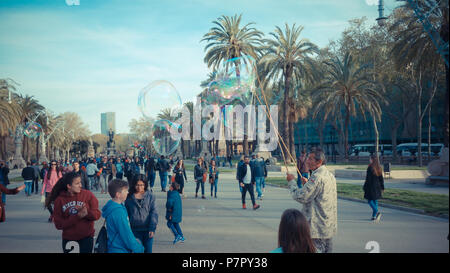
[319,199]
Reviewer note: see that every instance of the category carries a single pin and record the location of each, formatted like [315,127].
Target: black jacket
[28,174]
[150,165]
[180,175]
[84,178]
[198,172]
[373,185]
[242,172]
[5,172]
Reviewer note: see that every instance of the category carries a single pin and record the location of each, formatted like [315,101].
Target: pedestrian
[374,186]
[142,212]
[150,169]
[319,198]
[199,173]
[4,191]
[229,158]
[43,171]
[294,234]
[83,175]
[258,173]
[303,168]
[180,176]
[213,177]
[29,176]
[91,171]
[174,212]
[113,173]
[4,180]
[75,211]
[119,169]
[35,187]
[247,182]
[105,170]
[135,169]
[264,164]
[52,176]
[163,167]
[120,236]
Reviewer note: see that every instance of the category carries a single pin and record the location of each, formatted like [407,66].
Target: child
[294,234]
[174,212]
[120,236]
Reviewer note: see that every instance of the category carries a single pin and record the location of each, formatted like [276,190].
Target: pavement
[222,226]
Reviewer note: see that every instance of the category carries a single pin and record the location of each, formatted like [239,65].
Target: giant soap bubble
[165,142]
[32,130]
[157,98]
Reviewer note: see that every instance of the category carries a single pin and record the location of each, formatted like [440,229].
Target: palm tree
[346,91]
[10,112]
[227,41]
[288,59]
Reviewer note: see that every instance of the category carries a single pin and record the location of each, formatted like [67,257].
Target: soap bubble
[32,130]
[165,141]
[157,97]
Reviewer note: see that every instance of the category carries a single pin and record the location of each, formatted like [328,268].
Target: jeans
[91,181]
[249,188]
[86,245]
[104,182]
[35,187]
[28,187]
[146,241]
[264,182]
[163,178]
[200,183]
[151,179]
[374,205]
[214,187]
[258,182]
[175,228]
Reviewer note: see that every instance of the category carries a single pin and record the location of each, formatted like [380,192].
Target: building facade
[108,120]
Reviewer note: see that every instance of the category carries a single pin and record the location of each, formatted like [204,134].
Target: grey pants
[324,245]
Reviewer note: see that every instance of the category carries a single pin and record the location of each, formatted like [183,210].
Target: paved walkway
[222,226]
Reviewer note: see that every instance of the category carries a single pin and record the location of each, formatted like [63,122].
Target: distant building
[108,120]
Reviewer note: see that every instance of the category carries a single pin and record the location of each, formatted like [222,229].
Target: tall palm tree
[289,59]
[229,40]
[347,90]
[10,112]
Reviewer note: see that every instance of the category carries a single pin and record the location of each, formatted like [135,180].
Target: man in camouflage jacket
[319,198]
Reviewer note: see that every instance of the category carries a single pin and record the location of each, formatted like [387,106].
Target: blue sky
[95,57]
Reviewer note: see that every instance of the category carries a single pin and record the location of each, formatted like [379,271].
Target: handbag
[204,178]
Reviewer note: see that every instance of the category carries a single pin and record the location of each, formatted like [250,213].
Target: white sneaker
[378,217]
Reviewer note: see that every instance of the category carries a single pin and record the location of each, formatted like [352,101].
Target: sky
[95,56]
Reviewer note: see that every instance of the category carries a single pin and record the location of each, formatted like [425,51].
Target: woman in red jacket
[75,212]
[5,190]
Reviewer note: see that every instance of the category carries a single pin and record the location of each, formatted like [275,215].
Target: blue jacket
[258,168]
[145,217]
[120,236]
[174,206]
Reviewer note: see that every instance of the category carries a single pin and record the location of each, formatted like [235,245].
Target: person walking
[374,186]
[91,172]
[52,176]
[258,172]
[319,198]
[75,211]
[294,235]
[83,175]
[213,177]
[239,164]
[199,173]
[120,236]
[29,176]
[35,186]
[3,191]
[105,171]
[142,212]
[150,170]
[119,168]
[163,167]
[180,176]
[174,212]
[247,182]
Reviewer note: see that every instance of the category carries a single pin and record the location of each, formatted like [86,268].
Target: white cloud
[372,2]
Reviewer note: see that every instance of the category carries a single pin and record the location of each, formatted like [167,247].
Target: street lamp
[381,18]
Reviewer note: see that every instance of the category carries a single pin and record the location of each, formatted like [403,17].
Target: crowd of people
[131,217]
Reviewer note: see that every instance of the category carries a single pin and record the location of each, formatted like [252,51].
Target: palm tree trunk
[377,137]
[429,134]
[346,127]
[286,116]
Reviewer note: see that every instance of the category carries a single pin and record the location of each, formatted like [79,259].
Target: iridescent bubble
[32,130]
[159,98]
[165,141]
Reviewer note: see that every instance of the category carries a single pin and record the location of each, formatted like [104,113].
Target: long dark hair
[375,165]
[294,234]
[178,164]
[60,186]
[50,169]
[132,188]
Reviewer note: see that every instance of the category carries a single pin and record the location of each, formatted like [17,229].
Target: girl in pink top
[50,178]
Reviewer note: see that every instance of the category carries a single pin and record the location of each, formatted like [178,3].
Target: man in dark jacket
[28,176]
[247,181]
[83,175]
[163,167]
[150,170]
[35,187]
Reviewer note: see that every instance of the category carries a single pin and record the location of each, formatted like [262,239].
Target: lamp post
[381,18]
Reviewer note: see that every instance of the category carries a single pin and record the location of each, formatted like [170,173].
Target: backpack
[101,244]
